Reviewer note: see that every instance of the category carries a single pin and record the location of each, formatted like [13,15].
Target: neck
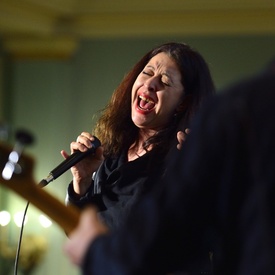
[136,150]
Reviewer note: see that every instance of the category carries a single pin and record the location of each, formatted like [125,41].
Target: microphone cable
[16,262]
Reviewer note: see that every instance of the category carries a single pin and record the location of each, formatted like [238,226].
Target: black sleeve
[88,199]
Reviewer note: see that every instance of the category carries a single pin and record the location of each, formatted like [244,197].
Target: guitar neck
[65,216]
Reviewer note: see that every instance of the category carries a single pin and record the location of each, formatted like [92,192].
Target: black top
[119,184]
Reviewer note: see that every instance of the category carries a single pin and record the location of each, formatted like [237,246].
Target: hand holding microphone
[85,145]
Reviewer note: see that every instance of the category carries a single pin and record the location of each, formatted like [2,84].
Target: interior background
[60,61]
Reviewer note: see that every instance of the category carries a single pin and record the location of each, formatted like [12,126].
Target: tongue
[146,105]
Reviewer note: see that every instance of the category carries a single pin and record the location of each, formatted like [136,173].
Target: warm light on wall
[18,218]
[5,218]
[44,221]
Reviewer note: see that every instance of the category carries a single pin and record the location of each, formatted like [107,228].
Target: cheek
[133,93]
[170,104]
[135,87]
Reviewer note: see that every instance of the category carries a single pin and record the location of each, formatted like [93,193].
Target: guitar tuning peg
[24,137]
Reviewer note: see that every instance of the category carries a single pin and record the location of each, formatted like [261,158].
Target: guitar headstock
[22,172]
[21,181]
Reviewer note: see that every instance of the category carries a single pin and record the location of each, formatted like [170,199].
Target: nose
[152,83]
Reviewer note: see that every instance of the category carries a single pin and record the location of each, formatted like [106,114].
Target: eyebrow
[165,73]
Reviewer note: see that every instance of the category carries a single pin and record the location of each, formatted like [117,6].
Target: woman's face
[156,93]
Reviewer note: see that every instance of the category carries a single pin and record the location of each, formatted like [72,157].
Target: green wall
[56,100]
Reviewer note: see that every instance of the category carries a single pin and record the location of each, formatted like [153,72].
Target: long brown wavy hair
[115,127]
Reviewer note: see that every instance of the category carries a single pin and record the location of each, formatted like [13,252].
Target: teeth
[146,99]
[145,103]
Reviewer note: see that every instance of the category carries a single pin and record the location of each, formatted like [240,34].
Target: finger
[87,135]
[181,136]
[88,214]
[64,154]
[79,238]
[187,131]
[69,250]
[88,228]
[77,146]
[90,219]
[86,139]
[81,144]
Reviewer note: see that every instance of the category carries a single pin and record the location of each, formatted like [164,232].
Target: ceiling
[53,28]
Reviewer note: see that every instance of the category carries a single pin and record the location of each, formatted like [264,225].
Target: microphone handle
[70,161]
[73,159]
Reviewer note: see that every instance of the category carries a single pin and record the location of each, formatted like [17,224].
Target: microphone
[69,162]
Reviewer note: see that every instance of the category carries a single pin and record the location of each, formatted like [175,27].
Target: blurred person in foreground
[221,183]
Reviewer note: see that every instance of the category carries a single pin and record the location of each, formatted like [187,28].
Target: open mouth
[145,103]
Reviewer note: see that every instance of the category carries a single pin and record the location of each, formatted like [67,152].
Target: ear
[184,104]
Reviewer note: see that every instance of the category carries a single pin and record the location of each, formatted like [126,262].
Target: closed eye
[147,73]
[166,83]
[164,79]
